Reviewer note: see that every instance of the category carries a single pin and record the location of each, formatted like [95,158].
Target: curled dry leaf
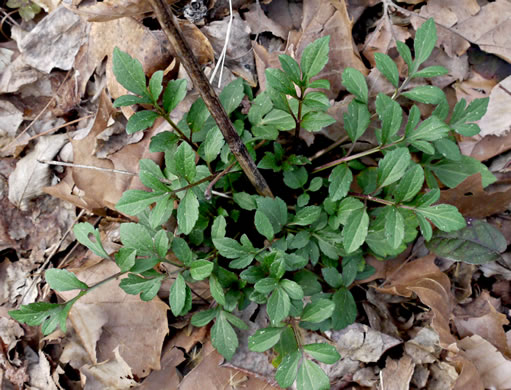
[494,369]
[480,317]
[423,347]
[112,374]
[10,120]
[432,287]
[100,319]
[473,201]
[239,58]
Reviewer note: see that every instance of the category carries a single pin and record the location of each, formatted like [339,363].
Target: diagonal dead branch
[169,25]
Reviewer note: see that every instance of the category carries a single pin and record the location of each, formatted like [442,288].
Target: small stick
[169,25]
[65,164]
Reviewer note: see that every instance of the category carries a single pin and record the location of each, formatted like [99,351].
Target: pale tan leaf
[106,310]
[111,9]
[497,120]
[112,374]
[494,369]
[490,28]
[361,343]
[397,374]
[39,371]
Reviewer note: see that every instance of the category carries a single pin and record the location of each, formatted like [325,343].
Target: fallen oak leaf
[472,201]
[494,370]
[433,288]
[480,317]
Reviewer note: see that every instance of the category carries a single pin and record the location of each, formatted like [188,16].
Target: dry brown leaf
[321,18]
[432,287]
[31,233]
[494,369]
[239,58]
[473,201]
[468,378]
[10,120]
[397,374]
[54,41]
[490,29]
[209,375]
[443,376]
[111,9]
[17,73]
[39,371]
[383,39]
[287,13]
[100,319]
[31,176]
[112,374]
[168,376]
[480,317]
[149,47]
[361,343]
[423,347]
[497,120]
[259,22]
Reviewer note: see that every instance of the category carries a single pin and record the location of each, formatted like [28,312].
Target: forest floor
[430,323]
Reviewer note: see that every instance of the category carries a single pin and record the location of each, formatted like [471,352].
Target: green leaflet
[356,84]
[63,280]
[393,166]
[387,67]
[188,212]
[311,377]
[223,337]
[315,57]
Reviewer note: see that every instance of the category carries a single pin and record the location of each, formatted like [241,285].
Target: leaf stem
[171,29]
[355,156]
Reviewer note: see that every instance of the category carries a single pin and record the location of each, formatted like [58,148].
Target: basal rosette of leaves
[307,244]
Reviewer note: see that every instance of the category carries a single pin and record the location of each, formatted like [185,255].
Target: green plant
[26,8]
[298,237]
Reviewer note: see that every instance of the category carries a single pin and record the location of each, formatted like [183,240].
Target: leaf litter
[418,329]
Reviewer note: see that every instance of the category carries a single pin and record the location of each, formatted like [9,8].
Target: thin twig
[169,25]
[72,165]
[207,193]
[53,129]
